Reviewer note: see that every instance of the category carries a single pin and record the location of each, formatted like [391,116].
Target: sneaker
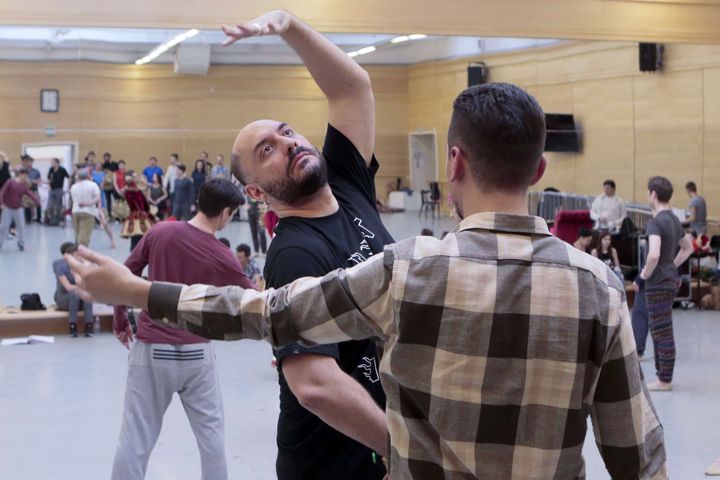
[73,330]
[659,386]
[714,469]
[21,246]
[88,329]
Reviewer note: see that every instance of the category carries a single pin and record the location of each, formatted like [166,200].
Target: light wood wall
[634,125]
[632,20]
[136,112]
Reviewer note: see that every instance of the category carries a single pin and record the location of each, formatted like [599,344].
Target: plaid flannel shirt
[500,340]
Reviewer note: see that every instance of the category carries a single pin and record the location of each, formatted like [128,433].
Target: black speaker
[651,57]
[477,73]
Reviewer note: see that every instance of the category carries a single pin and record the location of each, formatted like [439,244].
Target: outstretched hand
[102,279]
[276,22]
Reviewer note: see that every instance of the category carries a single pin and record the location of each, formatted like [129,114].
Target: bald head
[243,147]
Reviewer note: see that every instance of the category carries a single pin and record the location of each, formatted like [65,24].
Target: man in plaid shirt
[500,340]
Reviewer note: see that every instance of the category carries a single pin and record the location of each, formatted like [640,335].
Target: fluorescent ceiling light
[403,38]
[352,54]
[159,50]
[417,36]
[365,50]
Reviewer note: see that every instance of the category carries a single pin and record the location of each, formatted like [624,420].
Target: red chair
[569,222]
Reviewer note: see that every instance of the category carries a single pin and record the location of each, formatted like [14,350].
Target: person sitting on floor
[607,253]
[584,239]
[66,297]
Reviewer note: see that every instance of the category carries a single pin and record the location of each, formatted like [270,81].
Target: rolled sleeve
[163,301]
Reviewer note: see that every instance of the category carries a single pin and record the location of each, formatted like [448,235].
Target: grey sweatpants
[7,217]
[155,372]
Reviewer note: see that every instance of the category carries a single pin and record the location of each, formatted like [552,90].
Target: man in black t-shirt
[331,424]
[56,178]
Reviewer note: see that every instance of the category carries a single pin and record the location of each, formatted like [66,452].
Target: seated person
[66,297]
[584,239]
[252,271]
[607,253]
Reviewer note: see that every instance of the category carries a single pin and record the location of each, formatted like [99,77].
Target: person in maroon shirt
[168,360]
[12,207]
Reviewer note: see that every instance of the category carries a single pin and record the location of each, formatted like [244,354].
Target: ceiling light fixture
[400,39]
[365,50]
[352,54]
[417,36]
[159,50]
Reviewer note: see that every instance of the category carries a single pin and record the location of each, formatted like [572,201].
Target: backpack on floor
[31,301]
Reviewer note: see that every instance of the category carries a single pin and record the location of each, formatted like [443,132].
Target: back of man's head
[68,248]
[501,129]
[83,174]
[218,194]
[662,187]
[691,187]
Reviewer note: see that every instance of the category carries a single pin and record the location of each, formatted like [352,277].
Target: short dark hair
[56,160]
[584,232]
[609,183]
[245,248]
[218,194]
[22,171]
[27,158]
[68,247]
[501,128]
[182,167]
[662,187]
[426,232]
[152,158]
[175,156]
[121,161]
[224,241]
[691,186]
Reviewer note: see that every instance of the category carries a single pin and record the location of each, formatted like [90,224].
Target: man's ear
[255,192]
[457,165]
[540,171]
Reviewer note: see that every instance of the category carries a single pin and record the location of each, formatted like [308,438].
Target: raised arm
[351,105]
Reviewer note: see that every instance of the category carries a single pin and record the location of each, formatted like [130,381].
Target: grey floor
[60,404]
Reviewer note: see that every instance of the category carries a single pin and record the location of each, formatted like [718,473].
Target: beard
[291,191]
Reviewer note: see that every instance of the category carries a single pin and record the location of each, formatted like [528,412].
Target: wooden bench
[20,323]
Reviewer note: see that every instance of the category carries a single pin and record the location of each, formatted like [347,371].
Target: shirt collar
[501,222]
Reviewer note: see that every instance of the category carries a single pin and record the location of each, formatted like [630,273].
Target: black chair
[430,200]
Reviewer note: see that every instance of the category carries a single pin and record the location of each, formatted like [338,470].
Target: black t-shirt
[57,178]
[111,165]
[667,226]
[307,447]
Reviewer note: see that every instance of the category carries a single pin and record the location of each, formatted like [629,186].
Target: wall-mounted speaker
[477,73]
[651,57]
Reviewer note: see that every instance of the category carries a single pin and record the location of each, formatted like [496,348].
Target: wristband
[640,281]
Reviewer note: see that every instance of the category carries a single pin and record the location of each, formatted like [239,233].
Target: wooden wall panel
[668,128]
[137,112]
[634,124]
[675,20]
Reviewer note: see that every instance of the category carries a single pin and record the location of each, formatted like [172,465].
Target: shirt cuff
[163,301]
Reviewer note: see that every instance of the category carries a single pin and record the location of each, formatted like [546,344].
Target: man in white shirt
[608,210]
[85,195]
[170,175]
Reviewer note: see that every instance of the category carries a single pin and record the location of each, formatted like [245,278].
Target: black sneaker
[73,330]
[88,329]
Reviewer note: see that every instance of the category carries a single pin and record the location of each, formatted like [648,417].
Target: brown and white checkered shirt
[500,341]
